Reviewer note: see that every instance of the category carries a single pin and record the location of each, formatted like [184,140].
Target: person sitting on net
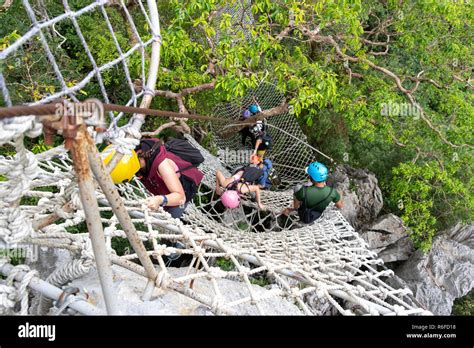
[241,182]
[261,140]
[264,182]
[252,110]
[311,200]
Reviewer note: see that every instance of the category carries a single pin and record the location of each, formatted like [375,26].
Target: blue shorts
[176,212]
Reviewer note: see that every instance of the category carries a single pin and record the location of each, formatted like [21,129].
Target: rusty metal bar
[116,203]
[91,210]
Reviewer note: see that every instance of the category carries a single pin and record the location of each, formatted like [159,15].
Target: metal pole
[138,119]
[52,292]
[94,224]
[116,203]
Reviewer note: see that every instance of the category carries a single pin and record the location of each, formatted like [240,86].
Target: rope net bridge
[63,198]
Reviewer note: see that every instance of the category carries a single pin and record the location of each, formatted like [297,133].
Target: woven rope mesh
[127,55]
[290,154]
[241,17]
[313,267]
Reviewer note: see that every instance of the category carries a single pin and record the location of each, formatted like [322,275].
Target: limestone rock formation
[389,238]
[445,273]
[360,192]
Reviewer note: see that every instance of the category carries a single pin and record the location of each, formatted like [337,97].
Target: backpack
[183,150]
[307,215]
[267,140]
[180,147]
[273,177]
[251,173]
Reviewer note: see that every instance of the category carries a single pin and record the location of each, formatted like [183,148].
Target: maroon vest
[155,183]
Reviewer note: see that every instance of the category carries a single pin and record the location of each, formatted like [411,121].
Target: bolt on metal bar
[116,203]
[52,292]
[91,210]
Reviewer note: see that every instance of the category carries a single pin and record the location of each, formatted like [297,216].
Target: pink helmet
[230,199]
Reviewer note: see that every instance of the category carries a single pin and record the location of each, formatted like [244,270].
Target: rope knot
[14,226]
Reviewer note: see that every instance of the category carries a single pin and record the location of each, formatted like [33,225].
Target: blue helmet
[317,171]
[254,108]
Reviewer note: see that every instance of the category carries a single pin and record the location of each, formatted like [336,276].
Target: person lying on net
[241,182]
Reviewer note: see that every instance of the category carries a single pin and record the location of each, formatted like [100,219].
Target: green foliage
[260,281]
[225,264]
[243,226]
[40,146]
[464,305]
[122,246]
[79,228]
[16,256]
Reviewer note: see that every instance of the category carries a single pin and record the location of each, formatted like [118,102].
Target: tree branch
[199,88]
[424,79]
[159,129]
[236,126]
[330,40]
[179,97]
[6,5]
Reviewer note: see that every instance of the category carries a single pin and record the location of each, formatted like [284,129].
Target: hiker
[261,140]
[268,172]
[252,110]
[241,182]
[169,171]
[310,201]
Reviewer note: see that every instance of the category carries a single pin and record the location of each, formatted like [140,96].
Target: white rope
[15,226]
[22,287]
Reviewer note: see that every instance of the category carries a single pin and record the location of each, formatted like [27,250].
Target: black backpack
[180,147]
[267,140]
[185,150]
[309,215]
[251,173]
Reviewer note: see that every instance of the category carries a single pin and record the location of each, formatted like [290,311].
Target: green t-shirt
[317,194]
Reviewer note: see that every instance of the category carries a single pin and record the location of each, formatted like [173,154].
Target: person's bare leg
[222,182]
[219,179]
[252,188]
[257,197]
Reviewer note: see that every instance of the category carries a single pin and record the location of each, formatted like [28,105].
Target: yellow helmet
[128,166]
